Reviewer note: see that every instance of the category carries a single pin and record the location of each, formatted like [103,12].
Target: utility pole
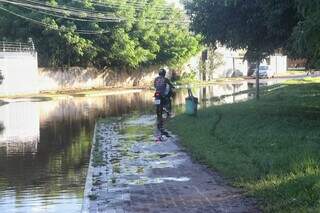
[203,65]
[258,81]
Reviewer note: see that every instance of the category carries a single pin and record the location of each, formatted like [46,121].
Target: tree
[132,33]
[55,38]
[259,26]
[305,40]
[215,60]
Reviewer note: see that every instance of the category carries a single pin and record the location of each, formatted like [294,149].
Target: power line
[74,9]
[70,11]
[137,6]
[65,17]
[85,32]
[63,11]
[109,5]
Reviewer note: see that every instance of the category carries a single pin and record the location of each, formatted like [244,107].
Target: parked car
[264,72]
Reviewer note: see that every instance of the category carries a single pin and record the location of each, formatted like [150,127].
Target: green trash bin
[191,104]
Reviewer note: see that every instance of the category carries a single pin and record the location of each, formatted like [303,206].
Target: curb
[88,184]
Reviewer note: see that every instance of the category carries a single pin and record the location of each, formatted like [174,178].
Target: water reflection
[21,130]
[45,146]
[217,94]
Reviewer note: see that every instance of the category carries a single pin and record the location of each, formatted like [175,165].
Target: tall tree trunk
[204,76]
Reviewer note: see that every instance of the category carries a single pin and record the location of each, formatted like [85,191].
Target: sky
[176,2]
[173,1]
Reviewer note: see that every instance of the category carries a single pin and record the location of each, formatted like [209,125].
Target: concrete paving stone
[143,176]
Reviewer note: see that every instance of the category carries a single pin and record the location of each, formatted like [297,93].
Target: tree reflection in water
[57,165]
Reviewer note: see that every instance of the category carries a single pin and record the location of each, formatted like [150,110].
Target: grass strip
[269,147]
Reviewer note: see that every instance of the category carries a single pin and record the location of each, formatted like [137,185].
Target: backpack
[160,85]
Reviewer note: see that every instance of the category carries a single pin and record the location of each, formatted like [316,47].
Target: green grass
[296,71]
[269,147]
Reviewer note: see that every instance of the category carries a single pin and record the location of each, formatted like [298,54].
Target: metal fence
[16,47]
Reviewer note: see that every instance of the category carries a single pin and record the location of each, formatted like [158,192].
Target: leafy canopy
[150,32]
[260,26]
[305,39]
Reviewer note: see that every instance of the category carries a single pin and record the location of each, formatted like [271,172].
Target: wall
[80,78]
[296,63]
[20,72]
[22,76]
[233,63]
[278,64]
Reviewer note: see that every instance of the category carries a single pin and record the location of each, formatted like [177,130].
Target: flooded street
[45,145]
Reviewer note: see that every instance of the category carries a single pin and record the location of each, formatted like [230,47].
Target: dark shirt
[160,85]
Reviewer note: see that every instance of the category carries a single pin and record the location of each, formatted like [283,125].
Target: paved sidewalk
[138,174]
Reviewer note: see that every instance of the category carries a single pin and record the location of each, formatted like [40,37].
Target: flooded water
[217,94]
[45,145]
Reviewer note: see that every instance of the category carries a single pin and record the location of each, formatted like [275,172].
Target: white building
[19,67]
[234,65]
[225,62]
